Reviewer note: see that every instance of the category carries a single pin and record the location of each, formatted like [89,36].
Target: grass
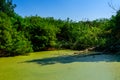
[60,65]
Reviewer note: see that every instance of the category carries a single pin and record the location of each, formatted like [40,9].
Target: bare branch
[111,6]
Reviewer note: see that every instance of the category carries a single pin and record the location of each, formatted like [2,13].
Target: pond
[60,67]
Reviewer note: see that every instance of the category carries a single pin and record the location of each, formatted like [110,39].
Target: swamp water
[48,66]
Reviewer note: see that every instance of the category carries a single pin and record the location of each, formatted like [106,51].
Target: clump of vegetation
[20,35]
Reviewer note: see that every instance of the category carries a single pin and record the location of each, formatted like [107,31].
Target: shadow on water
[76,58]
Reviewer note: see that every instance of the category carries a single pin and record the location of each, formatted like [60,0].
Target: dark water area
[77,58]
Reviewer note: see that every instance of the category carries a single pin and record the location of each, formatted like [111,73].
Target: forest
[22,35]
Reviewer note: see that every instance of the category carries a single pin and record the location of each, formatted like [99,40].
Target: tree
[12,42]
[42,33]
[7,7]
[116,25]
[114,38]
[5,34]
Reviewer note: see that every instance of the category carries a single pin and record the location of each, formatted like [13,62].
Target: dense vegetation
[20,35]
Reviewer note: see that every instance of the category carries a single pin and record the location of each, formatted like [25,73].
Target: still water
[72,67]
[98,67]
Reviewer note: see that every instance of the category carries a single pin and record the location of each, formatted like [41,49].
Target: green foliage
[11,41]
[7,7]
[5,33]
[114,35]
[42,33]
[81,35]
[115,24]
[20,35]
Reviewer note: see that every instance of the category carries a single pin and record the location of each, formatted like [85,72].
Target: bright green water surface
[60,65]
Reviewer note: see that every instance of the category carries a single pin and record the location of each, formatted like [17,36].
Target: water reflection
[77,58]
